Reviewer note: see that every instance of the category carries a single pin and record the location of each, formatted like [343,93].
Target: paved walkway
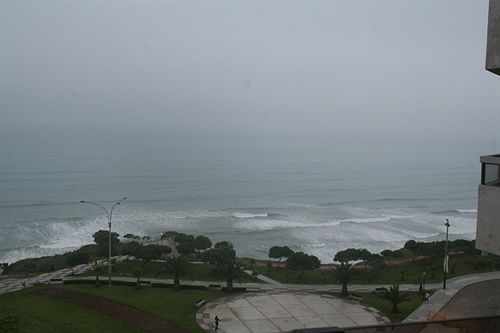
[263,278]
[284,311]
[13,284]
[475,300]
[441,297]
[10,285]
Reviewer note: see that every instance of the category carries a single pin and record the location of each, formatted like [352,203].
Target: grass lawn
[39,314]
[200,272]
[458,265]
[175,307]
[384,306]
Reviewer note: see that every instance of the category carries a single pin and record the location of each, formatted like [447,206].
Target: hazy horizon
[260,73]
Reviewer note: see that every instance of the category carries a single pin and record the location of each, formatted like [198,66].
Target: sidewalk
[262,277]
[442,297]
[436,300]
[14,284]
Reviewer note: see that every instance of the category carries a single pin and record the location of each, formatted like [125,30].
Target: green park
[166,282]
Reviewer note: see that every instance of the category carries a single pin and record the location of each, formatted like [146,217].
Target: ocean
[318,198]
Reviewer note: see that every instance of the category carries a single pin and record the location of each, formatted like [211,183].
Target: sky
[263,70]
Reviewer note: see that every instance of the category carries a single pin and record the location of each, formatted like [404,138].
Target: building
[488,211]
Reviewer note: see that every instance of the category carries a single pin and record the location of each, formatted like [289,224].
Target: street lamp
[445,263]
[109,215]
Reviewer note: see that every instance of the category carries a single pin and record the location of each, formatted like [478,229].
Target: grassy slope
[464,264]
[38,314]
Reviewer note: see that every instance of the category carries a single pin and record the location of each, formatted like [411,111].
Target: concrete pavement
[12,284]
[442,297]
[283,311]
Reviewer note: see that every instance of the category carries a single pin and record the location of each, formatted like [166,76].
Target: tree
[202,243]
[77,258]
[101,238]
[138,274]
[392,254]
[130,248]
[227,265]
[301,261]
[3,266]
[185,248]
[151,252]
[343,273]
[178,266]
[394,296]
[209,256]
[129,236]
[427,249]
[223,244]
[183,238]
[353,255]
[98,270]
[279,252]
[168,234]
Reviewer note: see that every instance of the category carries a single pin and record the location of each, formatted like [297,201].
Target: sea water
[318,199]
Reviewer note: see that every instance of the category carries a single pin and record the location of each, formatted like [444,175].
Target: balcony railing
[489,324]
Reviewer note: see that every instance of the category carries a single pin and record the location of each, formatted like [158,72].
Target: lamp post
[445,263]
[109,214]
[423,283]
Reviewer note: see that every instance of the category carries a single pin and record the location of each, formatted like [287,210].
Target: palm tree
[138,274]
[98,270]
[343,273]
[179,266]
[394,296]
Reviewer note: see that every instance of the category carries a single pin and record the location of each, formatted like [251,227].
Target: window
[491,174]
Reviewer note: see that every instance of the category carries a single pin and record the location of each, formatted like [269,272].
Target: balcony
[488,211]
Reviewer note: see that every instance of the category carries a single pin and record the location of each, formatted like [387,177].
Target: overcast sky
[304,69]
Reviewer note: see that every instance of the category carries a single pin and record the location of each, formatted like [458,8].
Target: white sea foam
[249,215]
[311,232]
[61,236]
[267,224]
[467,210]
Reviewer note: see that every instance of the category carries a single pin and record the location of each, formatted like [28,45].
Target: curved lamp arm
[113,207]
[96,204]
